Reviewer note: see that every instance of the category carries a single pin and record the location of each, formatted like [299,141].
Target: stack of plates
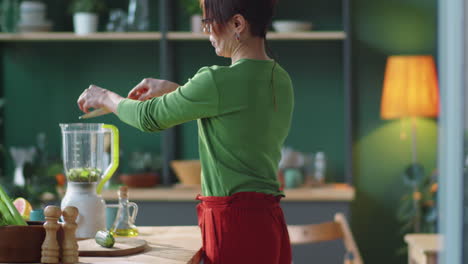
[44,27]
[32,17]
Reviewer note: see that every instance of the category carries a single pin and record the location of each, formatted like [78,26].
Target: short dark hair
[258,13]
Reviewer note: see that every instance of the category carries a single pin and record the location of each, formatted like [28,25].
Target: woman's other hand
[96,97]
[150,88]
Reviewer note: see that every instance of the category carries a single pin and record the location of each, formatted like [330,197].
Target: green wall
[42,82]
[383,28]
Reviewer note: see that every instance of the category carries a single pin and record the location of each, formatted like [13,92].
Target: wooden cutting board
[123,246]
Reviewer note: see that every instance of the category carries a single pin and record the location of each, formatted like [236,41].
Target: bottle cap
[123,192]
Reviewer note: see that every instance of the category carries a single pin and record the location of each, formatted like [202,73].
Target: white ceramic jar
[91,207]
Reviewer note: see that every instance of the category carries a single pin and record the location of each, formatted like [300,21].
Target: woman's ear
[239,23]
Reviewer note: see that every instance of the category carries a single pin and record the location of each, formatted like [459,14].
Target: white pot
[196,24]
[91,208]
[85,23]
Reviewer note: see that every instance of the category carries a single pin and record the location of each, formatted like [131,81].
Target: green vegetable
[105,239]
[8,213]
[3,221]
[84,174]
[5,218]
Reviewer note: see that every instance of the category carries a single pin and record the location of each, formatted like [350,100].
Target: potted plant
[145,170]
[39,182]
[85,15]
[417,211]
[192,7]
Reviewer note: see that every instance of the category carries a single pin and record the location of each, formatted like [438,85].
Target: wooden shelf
[149,36]
[70,36]
[186,36]
[326,193]
[312,35]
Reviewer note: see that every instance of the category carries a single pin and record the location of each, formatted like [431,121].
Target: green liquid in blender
[84,174]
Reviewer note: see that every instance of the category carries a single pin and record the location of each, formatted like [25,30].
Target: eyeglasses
[207,25]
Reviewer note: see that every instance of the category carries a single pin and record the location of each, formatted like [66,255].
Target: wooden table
[423,248]
[175,206]
[166,245]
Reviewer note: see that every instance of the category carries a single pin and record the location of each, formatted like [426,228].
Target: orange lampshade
[410,88]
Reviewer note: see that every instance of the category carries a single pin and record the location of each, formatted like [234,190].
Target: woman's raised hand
[150,88]
[97,97]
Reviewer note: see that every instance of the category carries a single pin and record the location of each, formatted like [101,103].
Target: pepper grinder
[70,246]
[50,246]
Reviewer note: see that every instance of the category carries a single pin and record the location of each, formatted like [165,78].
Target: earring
[238,36]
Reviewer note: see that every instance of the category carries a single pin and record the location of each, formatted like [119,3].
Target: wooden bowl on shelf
[22,244]
[140,180]
[187,171]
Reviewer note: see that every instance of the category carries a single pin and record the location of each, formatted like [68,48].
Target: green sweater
[243,121]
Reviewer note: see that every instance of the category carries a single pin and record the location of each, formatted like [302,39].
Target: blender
[88,166]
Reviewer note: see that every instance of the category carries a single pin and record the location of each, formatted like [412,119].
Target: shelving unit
[154,36]
[312,35]
[70,36]
[167,38]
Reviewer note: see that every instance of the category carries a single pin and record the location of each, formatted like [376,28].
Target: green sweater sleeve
[198,98]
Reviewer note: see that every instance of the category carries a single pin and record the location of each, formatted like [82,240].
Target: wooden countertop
[166,245]
[325,193]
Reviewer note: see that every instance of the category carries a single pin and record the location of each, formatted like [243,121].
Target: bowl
[140,180]
[291,26]
[187,171]
[22,244]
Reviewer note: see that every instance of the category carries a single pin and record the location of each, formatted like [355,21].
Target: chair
[327,231]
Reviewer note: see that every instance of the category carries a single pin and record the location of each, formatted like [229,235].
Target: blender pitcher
[87,170]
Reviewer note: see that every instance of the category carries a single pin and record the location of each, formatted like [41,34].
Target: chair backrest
[327,231]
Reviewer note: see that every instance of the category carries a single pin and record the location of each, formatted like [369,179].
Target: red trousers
[247,228]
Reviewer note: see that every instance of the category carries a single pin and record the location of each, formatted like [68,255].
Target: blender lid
[83,127]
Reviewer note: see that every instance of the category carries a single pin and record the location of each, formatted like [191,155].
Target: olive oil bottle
[124,221]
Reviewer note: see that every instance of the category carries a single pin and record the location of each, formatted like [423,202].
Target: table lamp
[410,90]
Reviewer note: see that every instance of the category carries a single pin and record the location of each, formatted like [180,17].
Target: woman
[244,113]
